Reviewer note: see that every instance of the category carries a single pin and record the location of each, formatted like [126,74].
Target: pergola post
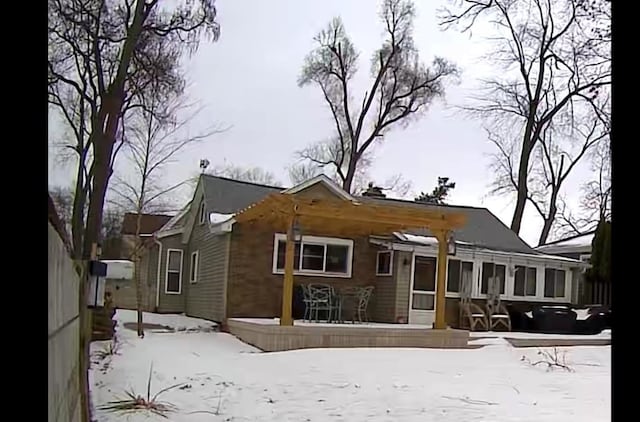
[440,322]
[287,285]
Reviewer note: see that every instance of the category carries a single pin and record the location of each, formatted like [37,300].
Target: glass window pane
[174,260]
[560,280]
[173,282]
[425,274]
[312,257]
[519,282]
[467,276]
[194,266]
[453,276]
[422,302]
[500,273]
[487,272]
[532,274]
[549,282]
[337,258]
[282,247]
[384,263]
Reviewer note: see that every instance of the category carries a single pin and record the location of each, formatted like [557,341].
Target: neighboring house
[579,247]
[123,291]
[214,268]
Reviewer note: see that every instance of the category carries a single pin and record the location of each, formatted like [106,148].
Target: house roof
[482,229]
[226,196]
[578,243]
[149,223]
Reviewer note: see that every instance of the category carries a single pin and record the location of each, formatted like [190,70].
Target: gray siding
[402,280]
[173,302]
[206,297]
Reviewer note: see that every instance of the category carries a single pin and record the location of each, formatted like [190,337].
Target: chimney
[374,192]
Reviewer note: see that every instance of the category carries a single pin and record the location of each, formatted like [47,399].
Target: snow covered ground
[232,381]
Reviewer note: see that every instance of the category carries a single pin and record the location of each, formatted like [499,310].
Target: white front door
[423,290]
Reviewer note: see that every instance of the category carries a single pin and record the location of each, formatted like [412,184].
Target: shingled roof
[226,196]
[149,223]
[482,229]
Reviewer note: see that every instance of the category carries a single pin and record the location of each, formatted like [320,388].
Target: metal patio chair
[320,300]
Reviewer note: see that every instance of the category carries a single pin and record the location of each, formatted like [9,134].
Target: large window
[491,271]
[316,256]
[173,281]
[554,283]
[525,281]
[193,269]
[458,272]
[384,263]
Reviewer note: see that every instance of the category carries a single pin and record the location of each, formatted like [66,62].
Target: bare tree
[402,89]
[103,55]
[595,201]
[554,161]
[302,171]
[246,174]
[155,135]
[550,62]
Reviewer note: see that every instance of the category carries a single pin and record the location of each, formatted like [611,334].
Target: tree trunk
[136,270]
[77,215]
[523,192]
[551,217]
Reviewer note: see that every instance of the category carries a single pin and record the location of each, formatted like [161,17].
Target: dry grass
[136,403]
[552,359]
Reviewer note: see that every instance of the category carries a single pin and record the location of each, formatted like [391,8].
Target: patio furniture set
[494,317]
[325,303]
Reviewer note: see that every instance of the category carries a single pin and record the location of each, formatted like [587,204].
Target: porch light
[451,245]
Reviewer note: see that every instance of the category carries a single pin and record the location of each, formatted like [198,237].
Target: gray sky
[248,80]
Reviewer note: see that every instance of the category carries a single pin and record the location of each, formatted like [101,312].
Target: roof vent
[374,191]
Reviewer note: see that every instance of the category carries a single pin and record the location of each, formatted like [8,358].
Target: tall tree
[401,90]
[103,55]
[601,253]
[155,135]
[551,61]
[439,193]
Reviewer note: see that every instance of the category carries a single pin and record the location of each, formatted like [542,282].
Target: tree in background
[439,193]
[600,270]
[552,62]
[155,135]
[103,58]
[401,90]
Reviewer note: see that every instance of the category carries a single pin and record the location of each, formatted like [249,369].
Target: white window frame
[193,274]
[390,252]
[166,273]
[473,272]
[567,285]
[512,291]
[314,240]
[202,218]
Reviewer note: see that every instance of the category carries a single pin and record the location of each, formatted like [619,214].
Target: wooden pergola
[353,218]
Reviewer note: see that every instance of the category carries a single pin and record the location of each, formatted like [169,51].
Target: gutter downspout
[157,242]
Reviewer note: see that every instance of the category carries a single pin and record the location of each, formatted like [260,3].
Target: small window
[457,273]
[491,271]
[554,283]
[193,271]
[173,282]
[525,281]
[202,213]
[383,263]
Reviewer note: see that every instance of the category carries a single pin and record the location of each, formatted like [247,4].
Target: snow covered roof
[217,218]
[575,244]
